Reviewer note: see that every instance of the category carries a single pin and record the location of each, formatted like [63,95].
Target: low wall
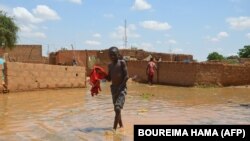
[137,70]
[209,73]
[190,74]
[236,75]
[1,78]
[26,76]
[177,73]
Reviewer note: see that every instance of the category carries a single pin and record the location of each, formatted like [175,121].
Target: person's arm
[147,69]
[108,77]
[155,66]
[125,73]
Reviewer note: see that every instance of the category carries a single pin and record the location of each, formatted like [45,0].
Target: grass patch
[147,96]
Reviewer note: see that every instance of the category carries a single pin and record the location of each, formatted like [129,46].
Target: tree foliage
[244,52]
[8,31]
[215,56]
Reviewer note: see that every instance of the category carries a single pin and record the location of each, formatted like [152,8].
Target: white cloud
[172,41]
[155,25]
[76,1]
[222,35]
[145,46]
[218,37]
[110,16]
[214,39]
[39,35]
[30,22]
[177,50]
[40,14]
[239,22]
[248,35]
[31,31]
[141,5]
[120,31]
[24,15]
[45,13]
[92,42]
[97,35]
[27,28]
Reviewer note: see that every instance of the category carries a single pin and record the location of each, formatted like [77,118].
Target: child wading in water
[118,75]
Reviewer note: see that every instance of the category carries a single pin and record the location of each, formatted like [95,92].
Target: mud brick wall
[66,57]
[236,75]
[190,74]
[177,73]
[1,76]
[26,76]
[209,73]
[24,53]
[137,70]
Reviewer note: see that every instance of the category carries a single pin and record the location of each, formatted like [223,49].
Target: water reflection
[72,114]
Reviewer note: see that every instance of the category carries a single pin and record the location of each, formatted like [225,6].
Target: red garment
[95,76]
[151,67]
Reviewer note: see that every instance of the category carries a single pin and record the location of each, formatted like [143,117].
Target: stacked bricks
[26,76]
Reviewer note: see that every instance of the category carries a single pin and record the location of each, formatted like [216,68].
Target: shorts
[118,96]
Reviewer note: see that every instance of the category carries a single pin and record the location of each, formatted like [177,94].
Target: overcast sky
[195,27]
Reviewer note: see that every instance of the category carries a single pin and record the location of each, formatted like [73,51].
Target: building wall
[24,53]
[27,76]
[177,73]
[1,76]
[209,73]
[236,75]
[190,74]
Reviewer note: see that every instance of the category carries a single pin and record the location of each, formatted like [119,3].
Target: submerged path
[72,114]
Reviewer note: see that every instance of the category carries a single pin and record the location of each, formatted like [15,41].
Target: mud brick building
[90,57]
[24,53]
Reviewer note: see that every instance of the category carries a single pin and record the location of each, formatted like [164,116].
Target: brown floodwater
[72,114]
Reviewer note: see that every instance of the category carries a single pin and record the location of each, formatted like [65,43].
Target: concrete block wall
[27,76]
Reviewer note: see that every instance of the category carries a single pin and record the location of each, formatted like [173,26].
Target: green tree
[215,56]
[8,31]
[244,52]
[232,57]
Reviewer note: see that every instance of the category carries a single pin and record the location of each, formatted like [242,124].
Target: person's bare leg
[120,121]
[117,117]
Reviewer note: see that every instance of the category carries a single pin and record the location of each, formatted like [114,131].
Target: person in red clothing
[96,75]
[151,67]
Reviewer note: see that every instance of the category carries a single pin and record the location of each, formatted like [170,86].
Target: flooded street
[72,114]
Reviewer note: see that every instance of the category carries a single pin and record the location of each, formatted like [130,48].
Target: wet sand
[72,114]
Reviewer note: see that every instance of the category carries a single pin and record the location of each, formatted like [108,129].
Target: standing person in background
[150,70]
[74,63]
